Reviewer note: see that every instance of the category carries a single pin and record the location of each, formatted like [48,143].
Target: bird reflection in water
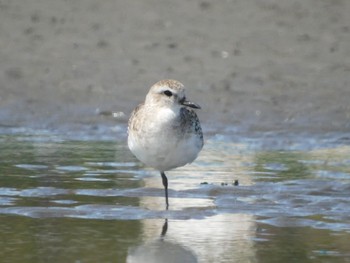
[160,251]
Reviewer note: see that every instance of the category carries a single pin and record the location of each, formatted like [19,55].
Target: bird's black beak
[190,104]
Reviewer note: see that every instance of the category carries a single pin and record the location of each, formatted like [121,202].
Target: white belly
[158,145]
[165,153]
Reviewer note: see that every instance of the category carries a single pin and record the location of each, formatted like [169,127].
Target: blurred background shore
[253,66]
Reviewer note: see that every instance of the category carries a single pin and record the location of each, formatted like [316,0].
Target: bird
[164,132]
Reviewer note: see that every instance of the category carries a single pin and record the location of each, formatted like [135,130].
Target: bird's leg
[165,184]
[165,227]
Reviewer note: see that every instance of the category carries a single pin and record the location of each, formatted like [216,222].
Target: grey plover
[164,132]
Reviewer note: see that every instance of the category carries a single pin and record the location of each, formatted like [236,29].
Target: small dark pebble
[102,44]
[105,113]
[172,45]
[35,18]
[204,5]
[13,73]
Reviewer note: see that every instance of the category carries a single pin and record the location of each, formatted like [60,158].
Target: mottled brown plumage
[164,132]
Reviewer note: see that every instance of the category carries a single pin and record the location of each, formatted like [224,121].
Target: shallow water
[64,200]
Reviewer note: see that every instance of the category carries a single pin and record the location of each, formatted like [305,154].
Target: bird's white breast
[160,143]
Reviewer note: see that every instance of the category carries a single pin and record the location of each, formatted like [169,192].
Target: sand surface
[260,65]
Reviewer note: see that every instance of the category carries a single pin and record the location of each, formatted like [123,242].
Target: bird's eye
[168,93]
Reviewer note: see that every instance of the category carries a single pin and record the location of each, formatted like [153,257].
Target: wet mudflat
[64,200]
[75,67]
